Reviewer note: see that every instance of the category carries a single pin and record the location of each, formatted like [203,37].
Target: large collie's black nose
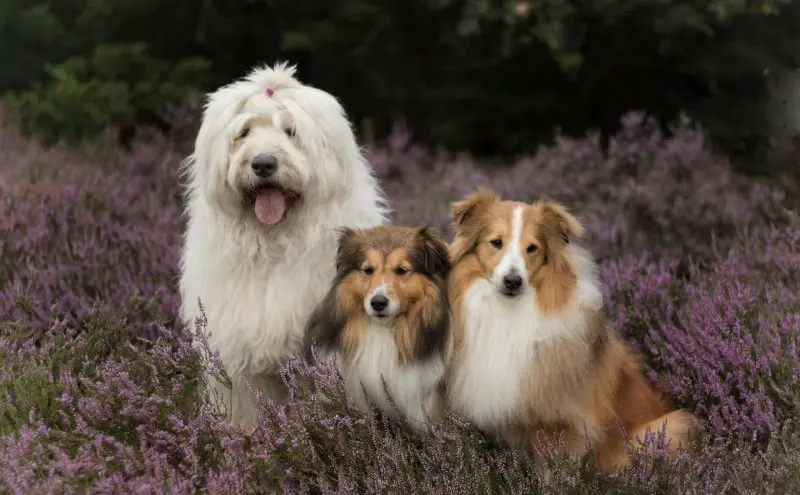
[512,282]
[264,165]
[379,303]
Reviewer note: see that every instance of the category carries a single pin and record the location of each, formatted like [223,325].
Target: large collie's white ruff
[259,280]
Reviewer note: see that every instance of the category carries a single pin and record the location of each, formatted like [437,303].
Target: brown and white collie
[386,321]
[533,356]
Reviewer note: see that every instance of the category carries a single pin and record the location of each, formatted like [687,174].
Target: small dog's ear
[560,222]
[464,210]
[342,234]
[347,250]
[434,258]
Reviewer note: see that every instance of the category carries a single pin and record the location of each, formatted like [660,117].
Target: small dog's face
[513,242]
[389,283]
[389,270]
[395,276]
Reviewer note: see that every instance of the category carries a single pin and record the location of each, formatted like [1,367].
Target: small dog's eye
[532,248]
[368,270]
[400,271]
[498,243]
[243,133]
[290,131]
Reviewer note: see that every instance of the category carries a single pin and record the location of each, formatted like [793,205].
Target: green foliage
[31,380]
[488,76]
[29,36]
[117,85]
[582,64]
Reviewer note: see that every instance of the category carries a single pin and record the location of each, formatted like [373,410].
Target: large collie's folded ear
[558,221]
[348,248]
[466,216]
[463,211]
[431,252]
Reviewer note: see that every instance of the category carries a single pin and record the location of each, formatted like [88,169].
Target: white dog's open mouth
[271,203]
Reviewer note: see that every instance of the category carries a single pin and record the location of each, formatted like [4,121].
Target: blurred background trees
[493,77]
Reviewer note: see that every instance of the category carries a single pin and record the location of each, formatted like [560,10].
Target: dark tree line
[495,77]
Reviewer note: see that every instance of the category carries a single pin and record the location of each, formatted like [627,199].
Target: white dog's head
[268,144]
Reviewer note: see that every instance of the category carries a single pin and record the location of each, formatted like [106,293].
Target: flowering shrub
[101,390]
[71,227]
[647,192]
[727,340]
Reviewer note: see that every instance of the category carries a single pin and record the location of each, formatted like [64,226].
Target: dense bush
[118,84]
[122,423]
[466,74]
[705,283]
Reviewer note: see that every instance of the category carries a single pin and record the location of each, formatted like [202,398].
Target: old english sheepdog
[275,173]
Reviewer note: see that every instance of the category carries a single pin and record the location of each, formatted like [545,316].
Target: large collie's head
[388,278]
[518,247]
[268,144]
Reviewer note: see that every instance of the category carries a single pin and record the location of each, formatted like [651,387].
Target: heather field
[100,388]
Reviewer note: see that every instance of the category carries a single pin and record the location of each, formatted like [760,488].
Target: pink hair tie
[270,92]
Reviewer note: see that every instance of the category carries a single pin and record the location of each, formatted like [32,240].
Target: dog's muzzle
[264,165]
[512,284]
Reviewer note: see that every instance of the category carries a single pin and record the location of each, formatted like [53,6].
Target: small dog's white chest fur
[413,386]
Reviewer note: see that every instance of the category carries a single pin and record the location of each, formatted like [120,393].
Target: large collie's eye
[289,131]
[368,270]
[400,271]
[498,243]
[243,133]
[532,248]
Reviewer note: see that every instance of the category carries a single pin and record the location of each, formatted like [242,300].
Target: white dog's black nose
[379,303]
[264,165]
[512,282]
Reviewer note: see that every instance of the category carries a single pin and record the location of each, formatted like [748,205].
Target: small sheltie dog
[386,321]
[533,357]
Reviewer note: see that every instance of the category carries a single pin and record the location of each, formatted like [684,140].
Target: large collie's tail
[680,429]
[680,426]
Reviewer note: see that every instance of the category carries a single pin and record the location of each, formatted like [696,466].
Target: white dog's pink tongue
[270,206]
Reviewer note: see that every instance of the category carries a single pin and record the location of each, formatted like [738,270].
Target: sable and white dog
[534,356]
[275,172]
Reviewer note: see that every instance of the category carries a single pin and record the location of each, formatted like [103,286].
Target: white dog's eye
[243,133]
[290,131]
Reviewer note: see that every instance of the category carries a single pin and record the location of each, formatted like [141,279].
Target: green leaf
[569,62]
[295,40]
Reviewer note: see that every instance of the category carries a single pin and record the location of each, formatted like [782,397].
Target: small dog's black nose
[512,281]
[264,165]
[379,303]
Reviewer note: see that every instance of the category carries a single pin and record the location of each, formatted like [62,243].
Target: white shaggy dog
[275,172]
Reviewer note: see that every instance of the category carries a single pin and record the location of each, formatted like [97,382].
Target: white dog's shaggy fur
[259,252]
